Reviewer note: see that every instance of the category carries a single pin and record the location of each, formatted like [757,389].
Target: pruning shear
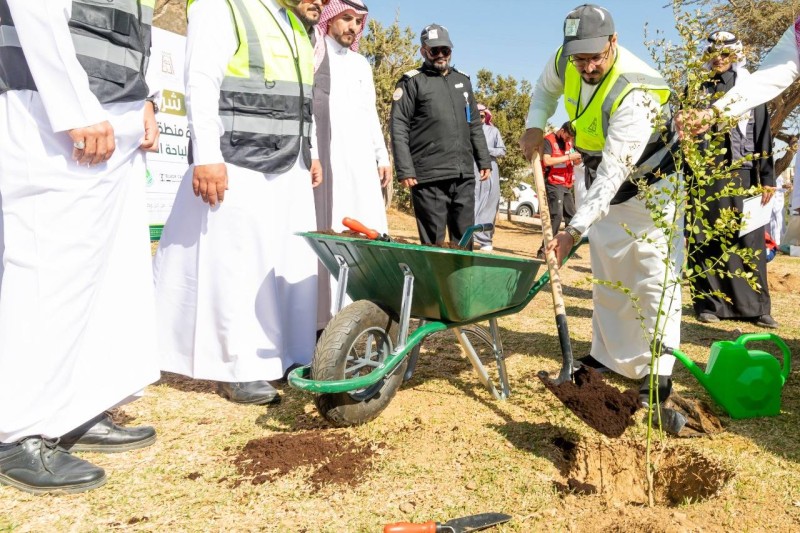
[465,524]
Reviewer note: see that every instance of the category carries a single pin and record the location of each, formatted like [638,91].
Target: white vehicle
[526,203]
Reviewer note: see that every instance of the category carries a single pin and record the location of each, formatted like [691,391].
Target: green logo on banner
[172,103]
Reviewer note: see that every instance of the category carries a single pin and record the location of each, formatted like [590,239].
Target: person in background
[437,137]
[355,160]
[719,297]
[77,332]
[558,165]
[487,192]
[309,13]
[234,284]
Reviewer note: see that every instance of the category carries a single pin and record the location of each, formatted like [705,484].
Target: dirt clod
[598,404]
[617,472]
[333,457]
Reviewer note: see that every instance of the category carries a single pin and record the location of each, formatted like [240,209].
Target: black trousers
[561,203]
[444,204]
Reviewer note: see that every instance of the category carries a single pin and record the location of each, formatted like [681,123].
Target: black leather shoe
[250,392]
[102,435]
[766,321]
[590,362]
[664,390]
[707,318]
[38,465]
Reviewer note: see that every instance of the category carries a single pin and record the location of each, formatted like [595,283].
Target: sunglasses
[437,51]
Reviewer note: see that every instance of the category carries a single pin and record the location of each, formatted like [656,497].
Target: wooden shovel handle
[552,267]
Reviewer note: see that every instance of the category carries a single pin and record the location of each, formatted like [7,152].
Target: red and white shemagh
[336,7]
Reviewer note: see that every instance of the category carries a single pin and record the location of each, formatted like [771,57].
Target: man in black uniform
[436,135]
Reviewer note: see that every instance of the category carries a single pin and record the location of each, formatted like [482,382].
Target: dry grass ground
[447,448]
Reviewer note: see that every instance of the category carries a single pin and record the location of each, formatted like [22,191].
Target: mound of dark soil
[616,470]
[598,404]
[333,457]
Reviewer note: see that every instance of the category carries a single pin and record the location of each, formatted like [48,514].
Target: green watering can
[746,383]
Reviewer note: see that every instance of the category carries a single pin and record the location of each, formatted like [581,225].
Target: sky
[517,37]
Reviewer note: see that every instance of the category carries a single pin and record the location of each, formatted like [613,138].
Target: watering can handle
[472,229]
[787,354]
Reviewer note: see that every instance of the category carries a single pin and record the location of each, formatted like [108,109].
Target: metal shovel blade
[475,522]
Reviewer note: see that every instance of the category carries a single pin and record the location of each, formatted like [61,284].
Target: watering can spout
[698,373]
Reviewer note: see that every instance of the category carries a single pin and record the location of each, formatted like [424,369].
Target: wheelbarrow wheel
[358,339]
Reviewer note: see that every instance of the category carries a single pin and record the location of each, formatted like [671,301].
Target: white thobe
[77,331]
[235,288]
[357,144]
[618,338]
[778,70]
[357,150]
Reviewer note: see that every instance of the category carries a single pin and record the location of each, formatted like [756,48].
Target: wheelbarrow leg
[483,375]
[341,287]
[405,307]
[497,348]
[412,357]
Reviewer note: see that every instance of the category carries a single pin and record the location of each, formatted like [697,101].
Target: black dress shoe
[664,390]
[102,435]
[250,392]
[38,465]
[766,321]
[590,362]
[707,318]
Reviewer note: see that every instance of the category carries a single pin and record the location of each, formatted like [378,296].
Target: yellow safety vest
[628,73]
[265,97]
[112,44]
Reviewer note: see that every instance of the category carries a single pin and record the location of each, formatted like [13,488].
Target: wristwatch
[152,100]
[574,233]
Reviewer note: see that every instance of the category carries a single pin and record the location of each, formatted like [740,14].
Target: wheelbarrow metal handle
[472,229]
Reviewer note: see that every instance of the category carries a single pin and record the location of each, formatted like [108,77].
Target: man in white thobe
[355,162]
[77,335]
[588,70]
[235,287]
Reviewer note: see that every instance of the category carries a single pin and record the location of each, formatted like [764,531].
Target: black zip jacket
[431,137]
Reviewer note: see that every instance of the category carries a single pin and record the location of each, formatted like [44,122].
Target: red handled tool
[358,227]
[466,524]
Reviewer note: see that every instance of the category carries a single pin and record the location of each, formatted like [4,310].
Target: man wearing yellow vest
[77,333]
[236,289]
[611,98]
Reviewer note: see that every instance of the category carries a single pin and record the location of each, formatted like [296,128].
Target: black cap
[434,35]
[587,29]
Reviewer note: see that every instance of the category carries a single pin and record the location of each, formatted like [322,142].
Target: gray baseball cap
[587,29]
[435,35]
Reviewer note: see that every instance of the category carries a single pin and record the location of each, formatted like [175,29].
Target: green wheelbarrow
[366,352]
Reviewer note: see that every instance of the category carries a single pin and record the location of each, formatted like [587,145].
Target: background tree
[759,24]
[392,51]
[508,100]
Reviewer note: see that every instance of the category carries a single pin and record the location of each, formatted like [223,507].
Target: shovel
[466,524]
[599,405]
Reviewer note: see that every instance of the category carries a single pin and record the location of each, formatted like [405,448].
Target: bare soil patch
[333,457]
[616,471]
[784,282]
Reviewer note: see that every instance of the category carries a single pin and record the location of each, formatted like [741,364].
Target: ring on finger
[79,145]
